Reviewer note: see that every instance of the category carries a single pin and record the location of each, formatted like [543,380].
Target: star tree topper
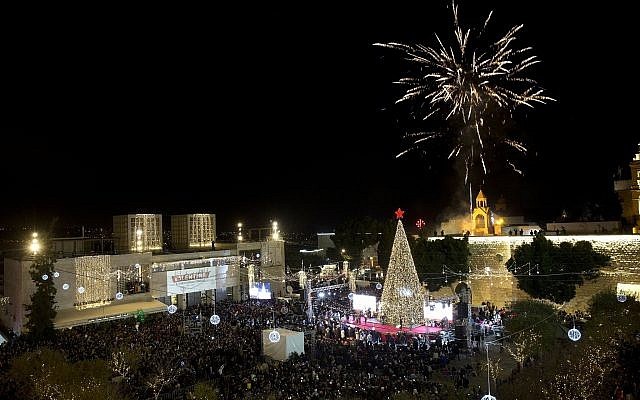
[399,213]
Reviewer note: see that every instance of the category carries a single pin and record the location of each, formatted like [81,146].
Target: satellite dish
[289,289]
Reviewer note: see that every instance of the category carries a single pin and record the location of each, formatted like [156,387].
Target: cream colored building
[193,231]
[102,287]
[137,232]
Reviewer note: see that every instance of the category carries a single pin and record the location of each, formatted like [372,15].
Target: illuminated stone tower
[629,195]
[402,296]
[481,216]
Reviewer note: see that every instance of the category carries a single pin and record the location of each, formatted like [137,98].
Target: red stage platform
[384,329]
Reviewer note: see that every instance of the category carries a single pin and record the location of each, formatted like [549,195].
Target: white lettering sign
[191,280]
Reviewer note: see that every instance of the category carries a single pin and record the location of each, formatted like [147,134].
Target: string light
[488,396]
[274,335]
[201,230]
[215,318]
[93,276]
[402,297]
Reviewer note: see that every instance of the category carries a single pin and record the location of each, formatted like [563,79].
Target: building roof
[481,196]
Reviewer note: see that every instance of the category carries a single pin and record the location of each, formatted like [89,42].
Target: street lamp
[34,247]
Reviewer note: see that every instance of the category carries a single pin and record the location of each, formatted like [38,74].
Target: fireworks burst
[469,86]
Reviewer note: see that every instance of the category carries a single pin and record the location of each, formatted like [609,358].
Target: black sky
[256,114]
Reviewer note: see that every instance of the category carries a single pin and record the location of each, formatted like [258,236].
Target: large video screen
[260,290]
[438,311]
[364,302]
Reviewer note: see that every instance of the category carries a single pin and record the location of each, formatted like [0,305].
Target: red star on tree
[399,213]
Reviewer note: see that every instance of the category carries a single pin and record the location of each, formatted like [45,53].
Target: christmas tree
[402,297]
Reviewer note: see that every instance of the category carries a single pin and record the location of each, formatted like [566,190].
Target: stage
[373,324]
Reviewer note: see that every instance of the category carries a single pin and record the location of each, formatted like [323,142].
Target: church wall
[490,280]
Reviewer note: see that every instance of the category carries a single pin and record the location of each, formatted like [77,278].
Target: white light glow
[93,274]
[437,311]
[574,334]
[260,290]
[629,289]
[34,247]
[364,302]
[274,336]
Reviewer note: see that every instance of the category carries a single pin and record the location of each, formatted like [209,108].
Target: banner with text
[191,280]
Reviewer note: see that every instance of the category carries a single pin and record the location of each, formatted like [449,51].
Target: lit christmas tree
[402,297]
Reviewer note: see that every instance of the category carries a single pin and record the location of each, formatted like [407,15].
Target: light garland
[402,297]
[251,275]
[201,230]
[145,233]
[93,274]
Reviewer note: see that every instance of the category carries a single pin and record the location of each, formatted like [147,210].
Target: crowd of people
[339,360]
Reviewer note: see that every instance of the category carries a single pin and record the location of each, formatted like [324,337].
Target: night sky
[256,114]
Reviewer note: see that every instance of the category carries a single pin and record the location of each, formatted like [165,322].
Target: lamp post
[34,247]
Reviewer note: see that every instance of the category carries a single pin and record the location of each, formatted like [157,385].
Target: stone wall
[490,281]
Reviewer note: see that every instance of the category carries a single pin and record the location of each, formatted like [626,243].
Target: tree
[125,363]
[204,391]
[355,235]
[548,271]
[158,380]
[41,312]
[607,353]
[431,255]
[599,359]
[402,296]
[493,369]
[45,374]
[534,325]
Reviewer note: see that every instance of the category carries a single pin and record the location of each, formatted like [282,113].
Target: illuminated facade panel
[93,281]
[193,231]
[137,232]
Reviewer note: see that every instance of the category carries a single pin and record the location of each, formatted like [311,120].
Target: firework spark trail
[471,86]
[512,165]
